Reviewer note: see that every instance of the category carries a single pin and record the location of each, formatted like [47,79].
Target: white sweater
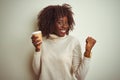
[60,58]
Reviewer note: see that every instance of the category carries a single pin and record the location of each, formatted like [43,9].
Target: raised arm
[81,65]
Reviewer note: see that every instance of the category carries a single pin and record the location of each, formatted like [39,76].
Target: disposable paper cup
[38,34]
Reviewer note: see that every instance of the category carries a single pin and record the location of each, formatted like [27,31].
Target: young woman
[59,56]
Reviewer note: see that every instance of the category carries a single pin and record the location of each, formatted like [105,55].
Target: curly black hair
[48,15]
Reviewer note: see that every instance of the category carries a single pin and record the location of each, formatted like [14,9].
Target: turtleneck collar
[53,36]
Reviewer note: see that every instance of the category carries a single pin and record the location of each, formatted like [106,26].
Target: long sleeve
[36,62]
[80,65]
[83,68]
[60,59]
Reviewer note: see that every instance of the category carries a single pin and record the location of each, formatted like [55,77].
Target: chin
[62,35]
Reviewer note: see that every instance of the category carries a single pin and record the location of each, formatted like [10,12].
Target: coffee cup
[39,35]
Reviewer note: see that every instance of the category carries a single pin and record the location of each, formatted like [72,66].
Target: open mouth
[63,31]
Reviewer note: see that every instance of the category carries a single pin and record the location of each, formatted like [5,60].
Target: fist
[90,42]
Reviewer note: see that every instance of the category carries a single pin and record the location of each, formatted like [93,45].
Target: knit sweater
[60,58]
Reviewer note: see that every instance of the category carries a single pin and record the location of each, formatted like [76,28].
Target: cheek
[56,29]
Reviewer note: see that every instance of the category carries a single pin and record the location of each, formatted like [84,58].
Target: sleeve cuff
[86,58]
[37,53]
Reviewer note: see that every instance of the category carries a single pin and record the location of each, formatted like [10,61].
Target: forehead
[64,18]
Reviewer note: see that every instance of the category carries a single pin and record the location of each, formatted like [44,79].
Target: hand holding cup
[37,40]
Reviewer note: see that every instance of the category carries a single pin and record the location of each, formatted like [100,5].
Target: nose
[65,25]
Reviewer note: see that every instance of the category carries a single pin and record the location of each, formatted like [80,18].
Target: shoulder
[73,39]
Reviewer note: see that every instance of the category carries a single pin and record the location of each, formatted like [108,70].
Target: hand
[90,42]
[36,42]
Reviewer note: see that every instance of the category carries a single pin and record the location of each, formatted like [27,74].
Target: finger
[87,39]
[90,39]
[34,37]
[36,43]
[36,40]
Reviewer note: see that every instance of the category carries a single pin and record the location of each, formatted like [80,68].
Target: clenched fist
[90,42]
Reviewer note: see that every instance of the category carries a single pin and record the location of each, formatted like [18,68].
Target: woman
[59,56]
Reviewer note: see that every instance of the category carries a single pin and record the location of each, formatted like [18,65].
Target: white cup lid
[36,32]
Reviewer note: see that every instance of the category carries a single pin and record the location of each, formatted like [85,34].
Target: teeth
[63,31]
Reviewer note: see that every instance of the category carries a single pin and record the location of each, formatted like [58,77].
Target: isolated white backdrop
[97,18]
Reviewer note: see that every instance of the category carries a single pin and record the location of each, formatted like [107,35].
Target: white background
[97,18]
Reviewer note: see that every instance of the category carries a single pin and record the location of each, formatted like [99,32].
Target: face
[61,26]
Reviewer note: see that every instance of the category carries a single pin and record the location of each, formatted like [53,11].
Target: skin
[61,29]
[90,42]
[61,26]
